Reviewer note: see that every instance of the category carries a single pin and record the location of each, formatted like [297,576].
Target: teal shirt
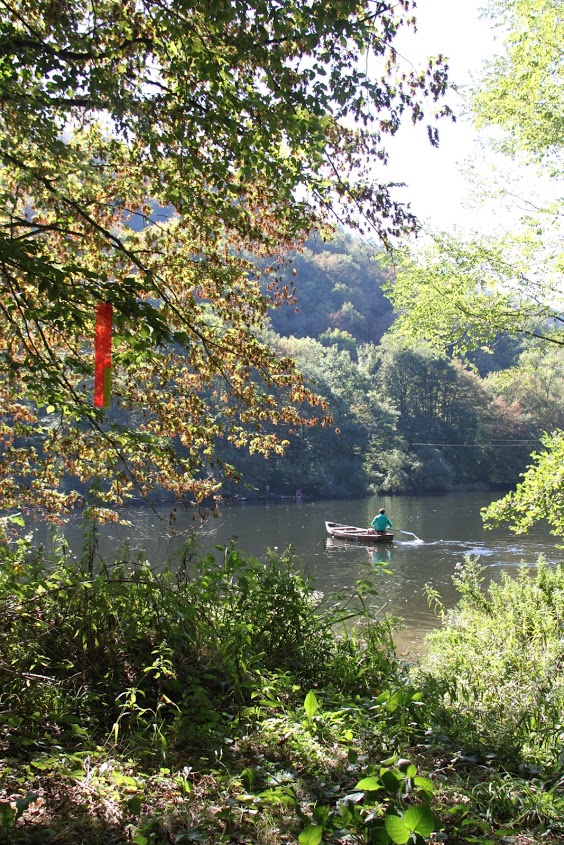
[381,522]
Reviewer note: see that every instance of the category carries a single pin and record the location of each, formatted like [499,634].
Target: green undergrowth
[223,700]
[493,685]
[494,667]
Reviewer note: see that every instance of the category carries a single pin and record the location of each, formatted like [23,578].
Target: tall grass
[223,693]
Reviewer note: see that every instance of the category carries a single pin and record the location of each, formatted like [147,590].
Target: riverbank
[450,527]
[228,702]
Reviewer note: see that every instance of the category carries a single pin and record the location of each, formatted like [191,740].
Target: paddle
[413,535]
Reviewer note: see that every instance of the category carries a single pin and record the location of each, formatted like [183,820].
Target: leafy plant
[493,668]
[389,805]
[11,811]
[125,647]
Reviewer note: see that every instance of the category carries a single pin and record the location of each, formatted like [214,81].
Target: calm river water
[446,527]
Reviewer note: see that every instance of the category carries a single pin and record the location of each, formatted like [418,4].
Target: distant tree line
[406,418]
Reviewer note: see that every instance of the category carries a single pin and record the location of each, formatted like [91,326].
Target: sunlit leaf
[370,784]
[311,835]
[397,830]
[311,705]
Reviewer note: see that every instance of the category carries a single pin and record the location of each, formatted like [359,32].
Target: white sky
[435,185]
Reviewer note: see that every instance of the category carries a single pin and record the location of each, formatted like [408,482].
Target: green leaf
[311,705]
[134,805]
[394,701]
[416,820]
[23,803]
[419,820]
[311,835]
[321,814]
[397,829]
[280,795]
[379,836]
[392,780]
[371,784]
[424,783]
[7,815]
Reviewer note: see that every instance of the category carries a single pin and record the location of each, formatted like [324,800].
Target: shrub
[494,669]
[129,646]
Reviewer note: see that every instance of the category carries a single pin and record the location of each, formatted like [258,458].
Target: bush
[494,669]
[128,646]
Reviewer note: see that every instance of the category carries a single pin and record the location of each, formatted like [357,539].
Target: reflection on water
[432,535]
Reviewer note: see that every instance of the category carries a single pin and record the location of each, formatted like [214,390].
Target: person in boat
[381,523]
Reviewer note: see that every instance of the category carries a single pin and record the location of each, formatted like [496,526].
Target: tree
[346,457]
[339,287]
[464,292]
[522,93]
[473,288]
[536,385]
[146,148]
[446,417]
[522,88]
[539,497]
[460,294]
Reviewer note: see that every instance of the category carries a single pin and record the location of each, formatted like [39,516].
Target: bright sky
[436,187]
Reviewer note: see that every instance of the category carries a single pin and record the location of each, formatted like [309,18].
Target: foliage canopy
[522,88]
[475,287]
[146,147]
[539,496]
[461,293]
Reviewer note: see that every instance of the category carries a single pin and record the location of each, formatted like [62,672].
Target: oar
[412,534]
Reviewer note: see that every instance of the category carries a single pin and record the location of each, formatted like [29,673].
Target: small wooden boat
[356,535]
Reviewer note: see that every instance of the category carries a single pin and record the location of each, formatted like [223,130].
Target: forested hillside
[406,418]
[339,293]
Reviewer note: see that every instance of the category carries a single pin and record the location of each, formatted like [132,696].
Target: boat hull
[353,534]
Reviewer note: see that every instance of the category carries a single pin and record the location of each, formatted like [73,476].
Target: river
[446,528]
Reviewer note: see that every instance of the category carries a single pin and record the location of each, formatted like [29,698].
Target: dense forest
[405,417]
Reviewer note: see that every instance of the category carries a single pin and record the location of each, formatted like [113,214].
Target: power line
[479,445]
